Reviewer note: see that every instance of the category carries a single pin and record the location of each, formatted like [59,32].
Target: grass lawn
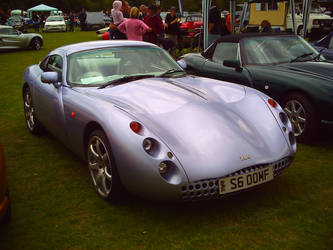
[55,206]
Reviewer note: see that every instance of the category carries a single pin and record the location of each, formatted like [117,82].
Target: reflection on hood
[117,5]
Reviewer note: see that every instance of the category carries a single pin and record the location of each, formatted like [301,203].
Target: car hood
[208,125]
[317,70]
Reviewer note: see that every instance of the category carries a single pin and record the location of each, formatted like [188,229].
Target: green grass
[55,206]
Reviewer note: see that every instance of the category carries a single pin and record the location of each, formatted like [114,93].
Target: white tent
[41,8]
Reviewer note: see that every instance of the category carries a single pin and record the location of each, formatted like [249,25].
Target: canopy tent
[41,8]
[306,10]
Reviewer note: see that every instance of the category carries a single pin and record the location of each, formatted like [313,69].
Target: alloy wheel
[100,168]
[29,111]
[297,115]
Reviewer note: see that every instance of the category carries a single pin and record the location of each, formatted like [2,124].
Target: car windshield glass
[54,19]
[101,66]
[275,50]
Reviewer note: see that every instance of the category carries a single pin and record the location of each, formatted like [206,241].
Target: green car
[283,66]
[10,38]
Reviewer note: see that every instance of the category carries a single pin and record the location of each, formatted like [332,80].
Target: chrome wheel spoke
[92,150]
[94,166]
[288,111]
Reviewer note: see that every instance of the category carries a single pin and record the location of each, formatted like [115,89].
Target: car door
[10,38]
[48,99]
[214,67]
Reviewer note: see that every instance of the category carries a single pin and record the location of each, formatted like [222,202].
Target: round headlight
[147,144]
[162,168]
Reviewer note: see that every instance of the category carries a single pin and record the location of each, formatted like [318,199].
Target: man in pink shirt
[133,27]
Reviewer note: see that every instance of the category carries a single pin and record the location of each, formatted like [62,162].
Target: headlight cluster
[286,124]
[168,170]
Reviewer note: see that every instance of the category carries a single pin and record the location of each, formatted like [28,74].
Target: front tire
[302,115]
[33,124]
[36,44]
[102,168]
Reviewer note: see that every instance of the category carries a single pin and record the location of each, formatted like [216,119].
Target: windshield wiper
[317,57]
[125,79]
[170,71]
[301,56]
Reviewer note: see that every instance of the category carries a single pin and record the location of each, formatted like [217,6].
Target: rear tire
[102,167]
[302,115]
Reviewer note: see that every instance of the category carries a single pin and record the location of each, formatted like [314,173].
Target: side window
[54,64]
[43,64]
[225,51]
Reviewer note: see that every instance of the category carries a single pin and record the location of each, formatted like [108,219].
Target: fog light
[283,118]
[147,144]
[162,167]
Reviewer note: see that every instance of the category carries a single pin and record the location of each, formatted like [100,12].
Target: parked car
[325,46]
[10,38]
[5,209]
[283,66]
[95,20]
[144,125]
[55,23]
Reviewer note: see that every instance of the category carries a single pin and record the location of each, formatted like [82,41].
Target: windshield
[54,19]
[275,50]
[98,67]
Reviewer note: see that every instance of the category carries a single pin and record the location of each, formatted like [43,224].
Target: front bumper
[209,189]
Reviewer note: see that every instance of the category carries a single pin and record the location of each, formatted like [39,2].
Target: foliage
[76,5]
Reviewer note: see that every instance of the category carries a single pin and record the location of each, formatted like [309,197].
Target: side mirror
[182,63]
[232,64]
[50,78]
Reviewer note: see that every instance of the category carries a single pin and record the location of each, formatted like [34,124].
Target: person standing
[143,12]
[71,21]
[36,20]
[266,26]
[117,18]
[214,23]
[83,19]
[133,27]
[155,23]
[172,26]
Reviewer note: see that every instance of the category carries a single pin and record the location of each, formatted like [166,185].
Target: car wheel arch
[89,128]
[296,91]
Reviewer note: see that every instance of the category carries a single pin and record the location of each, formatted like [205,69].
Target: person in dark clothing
[214,24]
[224,29]
[155,23]
[3,18]
[83,19]
[36,21]
[71,21]
[172,26]
[42,20]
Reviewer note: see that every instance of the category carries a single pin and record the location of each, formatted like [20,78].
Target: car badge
[245,157]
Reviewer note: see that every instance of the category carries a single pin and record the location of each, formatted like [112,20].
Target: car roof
[237,37]
[77,47]
[208,53]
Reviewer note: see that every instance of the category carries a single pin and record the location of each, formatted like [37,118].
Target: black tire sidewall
[117,189]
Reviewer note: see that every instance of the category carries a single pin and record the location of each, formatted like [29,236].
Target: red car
[192,24]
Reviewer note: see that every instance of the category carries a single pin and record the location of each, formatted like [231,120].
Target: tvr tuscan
[144,125]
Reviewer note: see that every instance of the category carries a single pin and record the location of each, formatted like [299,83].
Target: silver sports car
[145,126]
[10,38]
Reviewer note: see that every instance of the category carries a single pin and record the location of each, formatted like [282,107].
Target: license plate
[243,181]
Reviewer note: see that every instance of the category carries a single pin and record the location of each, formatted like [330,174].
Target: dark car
[283,66]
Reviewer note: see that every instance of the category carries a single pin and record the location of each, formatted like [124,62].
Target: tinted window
[8,31]
[54,64]
[225,51]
